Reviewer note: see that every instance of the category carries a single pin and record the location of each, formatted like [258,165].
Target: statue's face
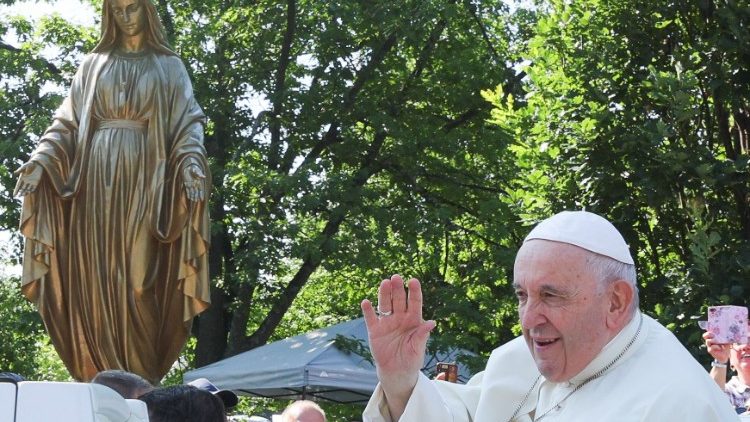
[129,16]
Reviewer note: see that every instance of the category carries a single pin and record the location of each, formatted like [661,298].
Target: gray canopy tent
[325,364]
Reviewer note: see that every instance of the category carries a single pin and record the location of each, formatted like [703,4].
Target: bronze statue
[114,211]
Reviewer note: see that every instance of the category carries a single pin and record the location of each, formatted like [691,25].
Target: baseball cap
[228,397]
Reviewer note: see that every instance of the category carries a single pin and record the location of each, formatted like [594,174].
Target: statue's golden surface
[114,211]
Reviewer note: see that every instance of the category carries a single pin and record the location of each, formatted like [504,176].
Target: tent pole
[304,386]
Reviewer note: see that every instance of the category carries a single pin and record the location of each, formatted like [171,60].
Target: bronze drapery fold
[116,255]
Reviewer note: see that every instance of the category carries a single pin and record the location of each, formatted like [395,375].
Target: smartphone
[450,369]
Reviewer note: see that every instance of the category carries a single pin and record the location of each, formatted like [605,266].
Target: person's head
[124,18]
[739,359]
[11,377]
[576,286]
[127,384]
[303,411]
[183,403]
[227,397]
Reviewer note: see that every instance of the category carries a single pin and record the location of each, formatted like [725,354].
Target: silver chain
[526,397]
[579,386]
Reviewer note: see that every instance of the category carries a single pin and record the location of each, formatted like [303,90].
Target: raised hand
[398,338]
[29,176]
[193,179]
[720,352]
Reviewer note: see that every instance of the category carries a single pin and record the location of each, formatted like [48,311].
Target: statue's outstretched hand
[398,338]
[29,176]
[194,181]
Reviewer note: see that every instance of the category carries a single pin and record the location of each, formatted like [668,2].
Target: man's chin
[549,372]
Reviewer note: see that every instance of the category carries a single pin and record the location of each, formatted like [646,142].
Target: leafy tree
[31,90]
[19,328]
[25,348]
[637,110]
[347,140]
[370,151]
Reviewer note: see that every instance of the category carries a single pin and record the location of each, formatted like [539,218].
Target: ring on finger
[382,313]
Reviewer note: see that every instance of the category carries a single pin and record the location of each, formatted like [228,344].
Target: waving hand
[398,338]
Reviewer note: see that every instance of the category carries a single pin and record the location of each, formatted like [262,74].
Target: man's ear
[621,295]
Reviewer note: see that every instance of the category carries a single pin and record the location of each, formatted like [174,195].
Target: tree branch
[363,76]
[280,84]
[318,252]
[50,67]
[464,118]
[167,20]
[473,10]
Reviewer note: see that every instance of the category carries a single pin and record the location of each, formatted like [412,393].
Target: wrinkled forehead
[541,249]
[541,263]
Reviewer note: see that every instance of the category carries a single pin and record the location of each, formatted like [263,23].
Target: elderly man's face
[561,306]
[739,357]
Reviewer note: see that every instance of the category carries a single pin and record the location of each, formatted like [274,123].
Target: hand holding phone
[449,369]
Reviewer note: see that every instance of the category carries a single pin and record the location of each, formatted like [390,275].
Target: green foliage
[347,141]
[30,87]
[49,367]
[352,345]
[352,140]
[25,349]
[638,111]
[19,328]
[182,365]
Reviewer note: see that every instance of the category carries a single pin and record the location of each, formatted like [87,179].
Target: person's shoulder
[673,400]
[662,358]
[515,347]
[513,356]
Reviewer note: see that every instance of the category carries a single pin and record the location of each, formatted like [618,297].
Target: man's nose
[531,315]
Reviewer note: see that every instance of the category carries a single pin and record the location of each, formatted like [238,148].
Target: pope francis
[587,353]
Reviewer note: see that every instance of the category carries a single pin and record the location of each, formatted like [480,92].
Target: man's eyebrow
[548,288]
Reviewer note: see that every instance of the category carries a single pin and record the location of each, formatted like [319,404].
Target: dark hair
[128,384]
[11,377]
[183,403]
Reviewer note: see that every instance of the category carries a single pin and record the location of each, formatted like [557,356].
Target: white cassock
[644,374]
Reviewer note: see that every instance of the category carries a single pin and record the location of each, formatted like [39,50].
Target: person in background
[11,377]
[587,352]
[738,357]
[227,397]
[303,411]
[127,384]
[183,403]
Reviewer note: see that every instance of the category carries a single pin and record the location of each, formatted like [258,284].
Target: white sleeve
[434,401]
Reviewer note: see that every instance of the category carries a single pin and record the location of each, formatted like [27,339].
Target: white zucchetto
[585,230]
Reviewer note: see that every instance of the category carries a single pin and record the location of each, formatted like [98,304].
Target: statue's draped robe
[116,255]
